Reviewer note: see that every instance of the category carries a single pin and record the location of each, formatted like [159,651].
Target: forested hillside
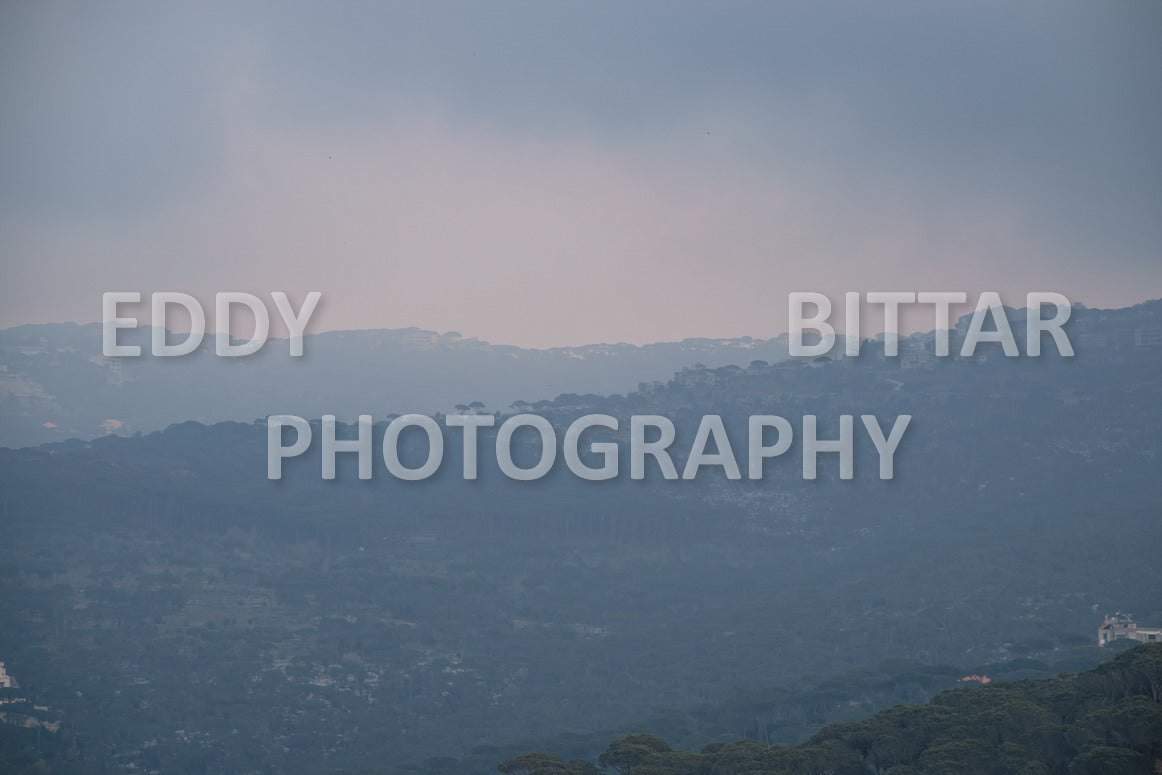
[161,593]
[1107,721]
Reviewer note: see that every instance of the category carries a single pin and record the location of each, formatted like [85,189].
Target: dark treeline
[1107,721]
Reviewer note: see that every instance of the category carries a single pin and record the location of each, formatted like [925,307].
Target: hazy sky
[548,174]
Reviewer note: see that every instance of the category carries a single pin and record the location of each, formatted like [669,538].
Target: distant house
[1122,626]
[6,681]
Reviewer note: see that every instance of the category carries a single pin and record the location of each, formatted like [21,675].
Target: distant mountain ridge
[55,384]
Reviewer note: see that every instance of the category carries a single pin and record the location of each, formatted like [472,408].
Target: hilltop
[56,385]
[1104,721]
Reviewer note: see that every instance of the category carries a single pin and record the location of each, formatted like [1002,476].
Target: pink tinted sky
[660,217]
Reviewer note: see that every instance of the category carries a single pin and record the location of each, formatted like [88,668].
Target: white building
[1122,626]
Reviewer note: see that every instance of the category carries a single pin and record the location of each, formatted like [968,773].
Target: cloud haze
[560,174]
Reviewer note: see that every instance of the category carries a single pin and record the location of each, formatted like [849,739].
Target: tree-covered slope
[1106,721]
[158,593]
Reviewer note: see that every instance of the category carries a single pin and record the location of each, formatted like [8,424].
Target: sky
[551,174]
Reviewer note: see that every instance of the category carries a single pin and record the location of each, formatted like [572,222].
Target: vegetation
[1107,721]
[166,608]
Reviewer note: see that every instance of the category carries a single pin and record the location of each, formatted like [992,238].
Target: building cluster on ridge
[1121,626]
